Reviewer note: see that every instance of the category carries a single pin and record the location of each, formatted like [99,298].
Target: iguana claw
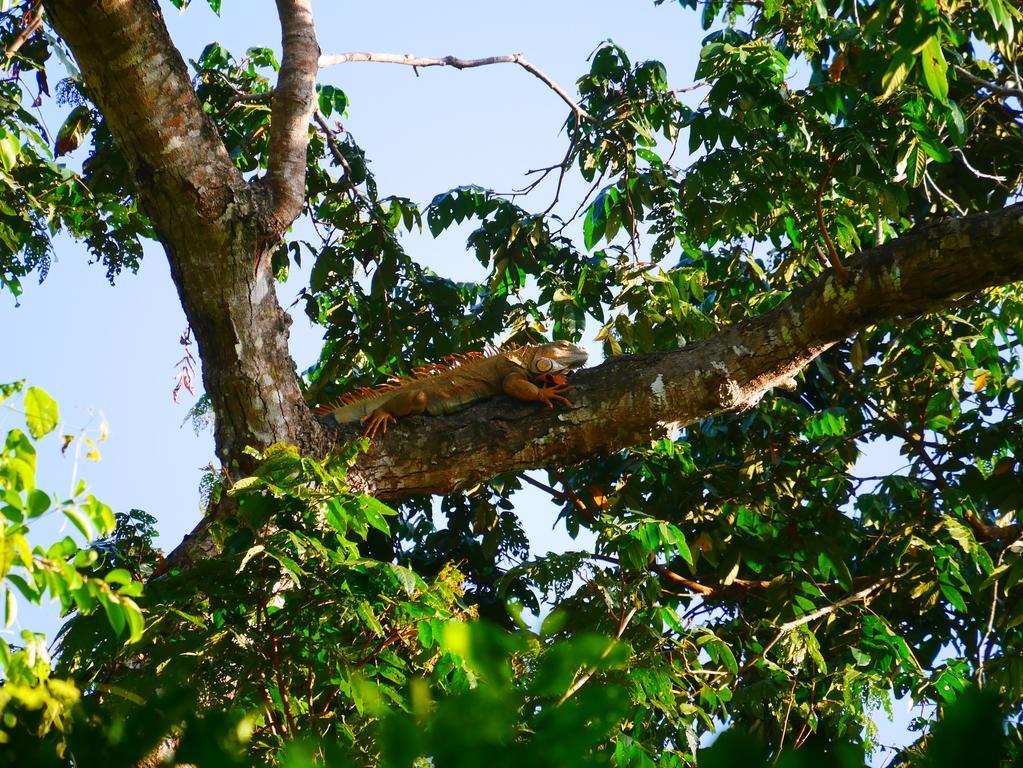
[378,421]
[548,395]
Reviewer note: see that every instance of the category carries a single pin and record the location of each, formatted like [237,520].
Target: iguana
[533,373]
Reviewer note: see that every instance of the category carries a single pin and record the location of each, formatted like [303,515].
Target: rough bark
[632,399]
[218,230]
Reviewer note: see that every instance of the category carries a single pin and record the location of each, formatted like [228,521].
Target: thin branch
[293,103]
[554,493]
[249,98]
[585,677]
[785,722]
[862,595]
[453,61]
[1001,90]
[832,255]
[974,171]
[929,180]
[31,23]
[982,530]
[984,647]
[335,150]
[709,591]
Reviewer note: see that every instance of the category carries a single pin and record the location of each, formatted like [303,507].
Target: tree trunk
[217,229]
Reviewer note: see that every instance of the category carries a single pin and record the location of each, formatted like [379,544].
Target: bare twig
[186,367]
[785,722]
[974,171]
[985,642]
[861,595]
[453,61]
[984,646]
[582,206]
[585,677]
[959,209]
[552,492]
[1001,90]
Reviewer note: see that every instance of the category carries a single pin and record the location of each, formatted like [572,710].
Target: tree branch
[862,595]
[294,100]
[1000,90]
[31,22]
[339,157]
[457,63]
[632,399]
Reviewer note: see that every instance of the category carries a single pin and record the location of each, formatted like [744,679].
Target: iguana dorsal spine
[531,373]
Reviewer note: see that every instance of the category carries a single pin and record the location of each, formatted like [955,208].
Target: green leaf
[81,521]
[41,413]
[897,72]
[10,608]
[249,554]
[118,576]
[136,621]
[935,68]
[374,510]
[116,614]
[38,503]
[956,122]
[74,130]
[9,390]
[936,150]
[916,165]
[9,150]
[365,611]
[954,596]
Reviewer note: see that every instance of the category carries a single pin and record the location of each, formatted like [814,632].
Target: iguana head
[554,357]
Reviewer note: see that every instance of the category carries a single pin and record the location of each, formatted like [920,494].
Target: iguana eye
[543,364]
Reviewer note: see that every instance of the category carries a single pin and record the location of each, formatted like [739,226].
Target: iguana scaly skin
[531,373]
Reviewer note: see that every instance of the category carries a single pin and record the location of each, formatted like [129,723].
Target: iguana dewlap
[526,373]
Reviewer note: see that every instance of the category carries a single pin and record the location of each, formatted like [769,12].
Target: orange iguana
[442,388]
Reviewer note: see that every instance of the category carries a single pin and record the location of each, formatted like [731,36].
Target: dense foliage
[744,573]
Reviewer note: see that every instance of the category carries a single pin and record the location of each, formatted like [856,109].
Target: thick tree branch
[457,63]
[633,399]
[294,100]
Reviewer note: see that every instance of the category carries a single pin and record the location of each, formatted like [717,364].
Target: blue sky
[98,348]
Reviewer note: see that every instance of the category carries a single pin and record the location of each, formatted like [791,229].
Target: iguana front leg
[413,401]
[521,388]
